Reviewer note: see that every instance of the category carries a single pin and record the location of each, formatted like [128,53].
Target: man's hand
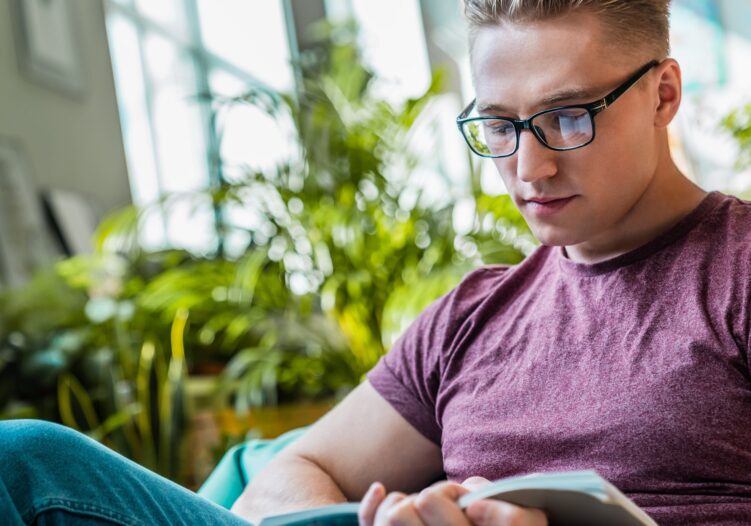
[339,456]
[436,506]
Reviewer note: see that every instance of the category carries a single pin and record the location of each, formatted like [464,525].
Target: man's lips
[544,200]
[547,206]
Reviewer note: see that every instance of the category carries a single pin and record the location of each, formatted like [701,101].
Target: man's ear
[668,92]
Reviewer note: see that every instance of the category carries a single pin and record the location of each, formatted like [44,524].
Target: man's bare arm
[363,439]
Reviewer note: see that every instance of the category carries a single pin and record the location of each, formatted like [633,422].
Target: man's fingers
[498,513]
[474,483]
[437,505]
[398,508]
[369,504]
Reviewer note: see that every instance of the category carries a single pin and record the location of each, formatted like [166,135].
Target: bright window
[167,53]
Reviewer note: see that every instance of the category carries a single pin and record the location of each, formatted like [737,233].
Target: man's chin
[554,236]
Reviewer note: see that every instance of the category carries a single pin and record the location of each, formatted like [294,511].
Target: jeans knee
[43,461]
[34,439]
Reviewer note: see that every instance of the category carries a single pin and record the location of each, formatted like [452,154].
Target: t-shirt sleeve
[409,375]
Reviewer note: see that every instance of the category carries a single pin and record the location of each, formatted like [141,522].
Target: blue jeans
[50,474]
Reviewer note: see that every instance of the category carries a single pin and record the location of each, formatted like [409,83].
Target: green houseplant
[82,356]
[337,220]
[344,212]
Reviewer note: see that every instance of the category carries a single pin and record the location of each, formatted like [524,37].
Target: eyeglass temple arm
[467,110]
[611,97]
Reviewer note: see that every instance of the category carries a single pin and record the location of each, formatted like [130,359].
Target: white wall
[73,144]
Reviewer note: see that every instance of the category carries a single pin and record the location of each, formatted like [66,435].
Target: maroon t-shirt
[636,367]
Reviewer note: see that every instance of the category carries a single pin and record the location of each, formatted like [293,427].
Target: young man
[621,344]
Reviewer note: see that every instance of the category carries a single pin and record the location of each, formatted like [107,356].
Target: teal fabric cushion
[240,464]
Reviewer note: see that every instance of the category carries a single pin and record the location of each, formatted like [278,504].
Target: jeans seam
[85,508]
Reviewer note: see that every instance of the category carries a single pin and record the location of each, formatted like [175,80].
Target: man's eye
[570,115]
[567,119]
[499,128]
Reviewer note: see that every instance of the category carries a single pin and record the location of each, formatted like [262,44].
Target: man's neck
[671,199]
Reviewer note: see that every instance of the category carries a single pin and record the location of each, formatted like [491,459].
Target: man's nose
[533,160]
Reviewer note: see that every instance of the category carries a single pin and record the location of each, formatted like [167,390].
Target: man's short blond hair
[637,24]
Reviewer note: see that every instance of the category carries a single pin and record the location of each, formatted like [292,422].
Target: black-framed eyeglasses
[561,129]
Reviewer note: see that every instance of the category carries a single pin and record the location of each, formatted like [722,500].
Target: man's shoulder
[485,275]
[729,225]
[473,289]
[736,212]
[481,282]
[488,280]
[718,251]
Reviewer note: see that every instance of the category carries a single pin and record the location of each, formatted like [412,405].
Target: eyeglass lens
[563,129]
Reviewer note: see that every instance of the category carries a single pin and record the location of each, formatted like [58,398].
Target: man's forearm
[288,483]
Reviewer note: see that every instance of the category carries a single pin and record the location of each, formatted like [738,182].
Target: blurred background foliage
[738,124]
[345,258]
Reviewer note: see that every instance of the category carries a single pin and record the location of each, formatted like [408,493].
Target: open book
[580,498]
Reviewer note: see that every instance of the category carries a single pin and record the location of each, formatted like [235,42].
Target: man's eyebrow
[570,95]
[554,99]
[495,109]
